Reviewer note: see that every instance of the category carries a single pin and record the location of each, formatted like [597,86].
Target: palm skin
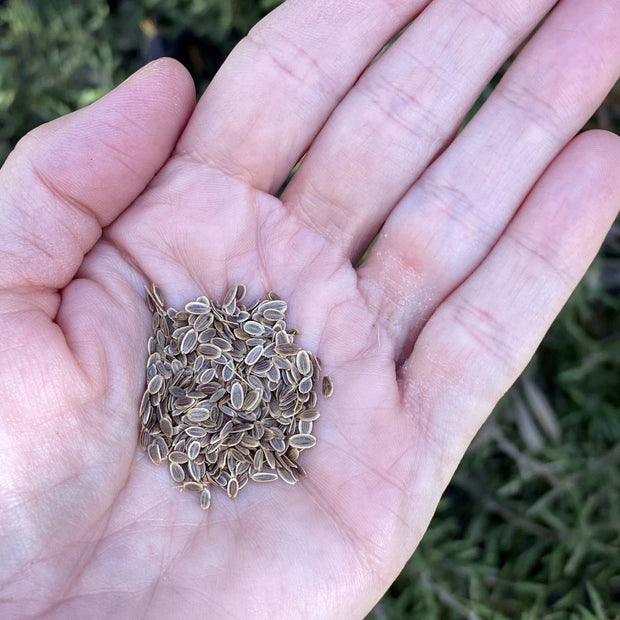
[88,526]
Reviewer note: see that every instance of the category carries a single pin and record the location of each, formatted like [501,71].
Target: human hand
[486,236]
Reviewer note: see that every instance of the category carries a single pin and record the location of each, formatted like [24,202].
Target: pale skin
[486,235]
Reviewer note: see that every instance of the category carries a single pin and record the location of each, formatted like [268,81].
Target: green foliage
[530,526]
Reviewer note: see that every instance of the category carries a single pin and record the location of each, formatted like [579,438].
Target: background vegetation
[530,526]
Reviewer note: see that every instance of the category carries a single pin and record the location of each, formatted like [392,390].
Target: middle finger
[402,112]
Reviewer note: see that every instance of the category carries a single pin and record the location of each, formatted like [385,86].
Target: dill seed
[230,396]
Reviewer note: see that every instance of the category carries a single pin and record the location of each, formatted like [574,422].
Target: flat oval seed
[309,415]
[236,395]
[177,472]
[303,363]
[327,387]
[287,348]
[197,307]
[205,498]
[165,424]
[254,355]
[230,297]
[252,399]
[264,476]
[155,384]
[196,431]
[302,441]
[194,448]
[198,414]
[305,385]
[154,455]
[177,457]
[253,328]
[290,477]
[232,488]
[189,342]
[210,351]
[193,487]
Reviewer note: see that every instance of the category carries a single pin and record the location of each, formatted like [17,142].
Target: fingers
[481,337]
[401,113]
[457,210]
[282,81]
[69,178]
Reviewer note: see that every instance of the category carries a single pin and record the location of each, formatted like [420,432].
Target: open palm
[479,250]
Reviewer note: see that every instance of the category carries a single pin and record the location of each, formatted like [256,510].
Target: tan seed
[264,476]
[155,384]
[328,386]
[177,472]
[205,498]
[302,441]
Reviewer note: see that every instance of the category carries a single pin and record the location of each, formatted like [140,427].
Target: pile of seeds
[230,396]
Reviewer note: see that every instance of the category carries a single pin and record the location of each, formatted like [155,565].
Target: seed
[198,414]
[327,387]
[193,487]
[253,356]
[205,498]
[236,396]
[287,348]
[165,424]
[154,455]
[264,476]
[197,307]
[155,384]
[303,363]
[309,415]
[232,488]
[302,441]
[194,448]
[189,342]
[305,385]
[230,296]
[253,328]
[177,457]
[177,472]
[210,351]
[290,477]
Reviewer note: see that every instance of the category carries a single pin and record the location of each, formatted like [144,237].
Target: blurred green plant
[530,526]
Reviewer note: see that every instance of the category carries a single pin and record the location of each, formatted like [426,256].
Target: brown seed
[197,307]
[154,455]
[165,424]
[189,342]
[254,355]
[205,498]
[303,363]
[177,472]
[288,348]
[236,395]
[155,384]
[177,457]
[290,477]
[327,387]
[253,328]
[192,486]
[305,385]
[264,476]
[230,297]
[302,441]
[210,351]
[232,488]
[194,448]
[309,415]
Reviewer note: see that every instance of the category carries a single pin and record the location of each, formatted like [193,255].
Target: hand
[485,237]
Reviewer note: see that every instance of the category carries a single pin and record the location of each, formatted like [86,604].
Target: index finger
[279,85]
